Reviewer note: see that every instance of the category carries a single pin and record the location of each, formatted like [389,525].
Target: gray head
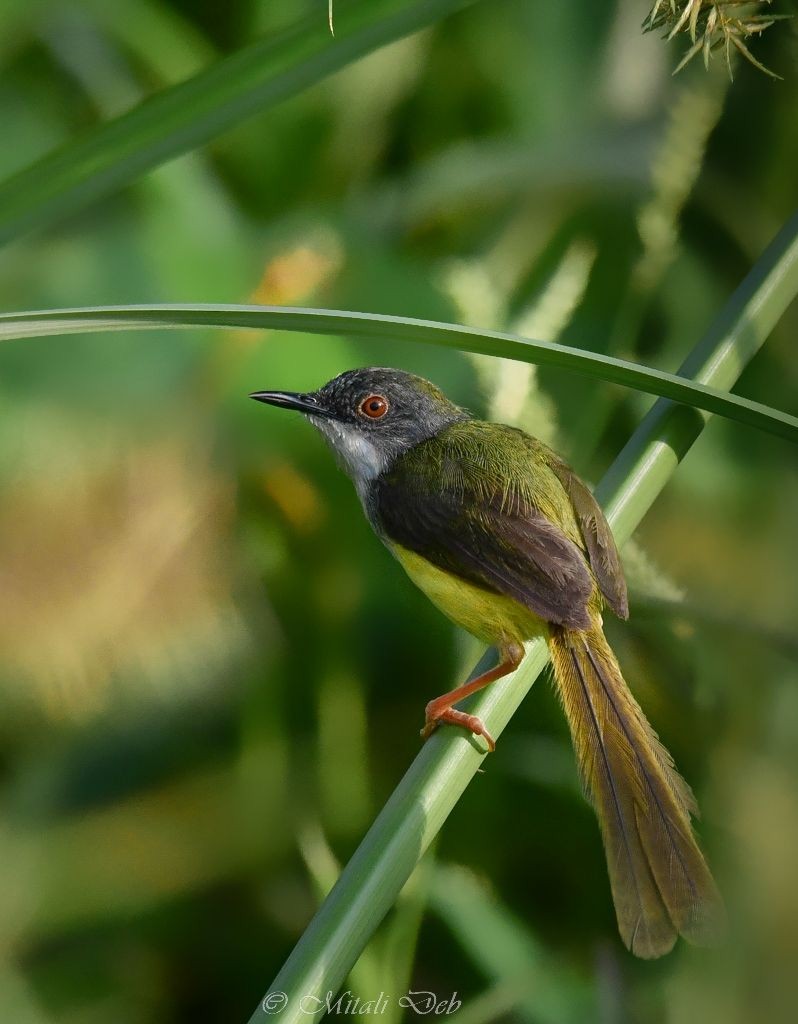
[371,416]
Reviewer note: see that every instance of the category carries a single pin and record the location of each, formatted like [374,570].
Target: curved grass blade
[180,118]
[398,328]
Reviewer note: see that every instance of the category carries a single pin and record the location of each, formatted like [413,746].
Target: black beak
[291,400]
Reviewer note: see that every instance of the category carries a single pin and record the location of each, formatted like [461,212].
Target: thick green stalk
[180,118]
[445,765]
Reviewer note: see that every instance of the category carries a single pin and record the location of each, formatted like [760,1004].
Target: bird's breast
[493,618]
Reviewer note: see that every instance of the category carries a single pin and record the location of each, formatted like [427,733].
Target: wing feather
[602,551]
[464,522]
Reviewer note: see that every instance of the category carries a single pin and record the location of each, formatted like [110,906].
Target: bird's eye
[373,406]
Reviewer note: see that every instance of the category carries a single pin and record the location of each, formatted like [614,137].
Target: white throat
[361,459]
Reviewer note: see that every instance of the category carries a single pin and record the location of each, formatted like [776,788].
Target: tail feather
[661,884]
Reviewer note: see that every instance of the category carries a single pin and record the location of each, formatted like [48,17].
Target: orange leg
[440,710]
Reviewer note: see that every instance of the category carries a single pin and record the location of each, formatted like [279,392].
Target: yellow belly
[493,618]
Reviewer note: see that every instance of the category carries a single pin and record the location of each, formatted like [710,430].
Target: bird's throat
[359,457]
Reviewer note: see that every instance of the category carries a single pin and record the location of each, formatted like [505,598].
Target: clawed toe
[429,728]
[452,716]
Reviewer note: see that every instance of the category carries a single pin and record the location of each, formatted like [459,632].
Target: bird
[506,540]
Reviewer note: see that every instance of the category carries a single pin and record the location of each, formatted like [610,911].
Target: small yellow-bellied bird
[507,541]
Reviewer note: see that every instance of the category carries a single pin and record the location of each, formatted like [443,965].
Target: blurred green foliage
[211,674]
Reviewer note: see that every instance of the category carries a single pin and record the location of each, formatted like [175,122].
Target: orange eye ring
[373,407]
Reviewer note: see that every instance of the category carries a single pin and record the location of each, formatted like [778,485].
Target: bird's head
[371,416]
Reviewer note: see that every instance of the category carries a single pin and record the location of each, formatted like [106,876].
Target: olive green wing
[602,550]
[473,532]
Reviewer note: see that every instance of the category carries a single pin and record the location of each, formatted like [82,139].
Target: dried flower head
[714,24]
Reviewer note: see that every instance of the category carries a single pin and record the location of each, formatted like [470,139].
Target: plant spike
[711,25]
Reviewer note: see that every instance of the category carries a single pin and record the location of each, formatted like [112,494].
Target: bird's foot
[440,711]
[451,716]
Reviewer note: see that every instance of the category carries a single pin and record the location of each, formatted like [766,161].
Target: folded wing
[463,521]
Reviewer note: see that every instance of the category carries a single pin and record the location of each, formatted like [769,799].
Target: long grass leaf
[178,119]
[679,388]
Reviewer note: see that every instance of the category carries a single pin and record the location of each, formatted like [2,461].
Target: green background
[212,675]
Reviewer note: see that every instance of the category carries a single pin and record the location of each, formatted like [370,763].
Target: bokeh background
[212,675]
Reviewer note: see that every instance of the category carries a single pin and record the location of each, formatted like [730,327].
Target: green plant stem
[436,779]
[187,115]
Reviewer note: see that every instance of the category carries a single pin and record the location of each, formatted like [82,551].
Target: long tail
[661,884]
